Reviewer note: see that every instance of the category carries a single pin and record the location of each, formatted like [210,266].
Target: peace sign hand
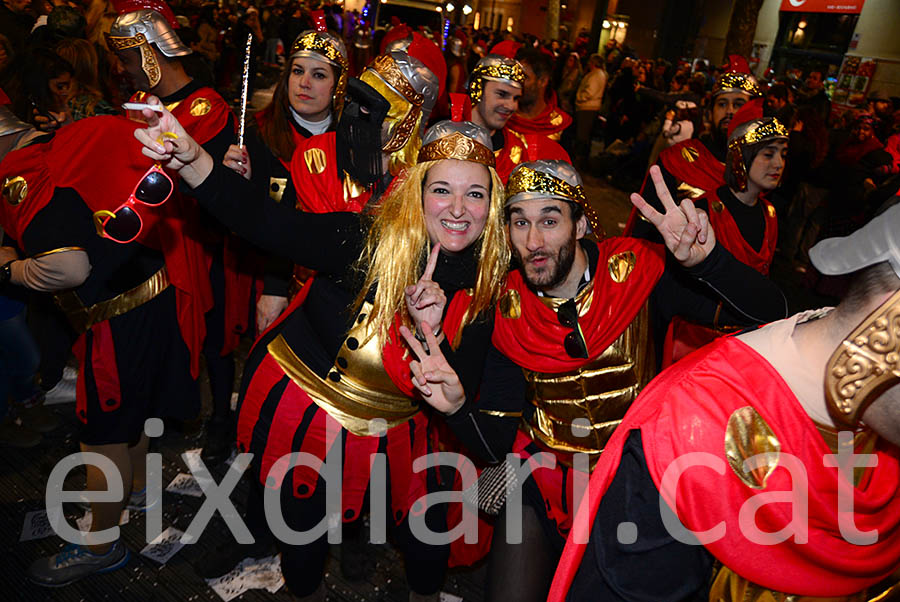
[425,300]
[432,375]
[684,229]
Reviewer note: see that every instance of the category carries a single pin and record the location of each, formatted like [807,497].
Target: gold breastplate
[728,586]
[578,411]
[357,389]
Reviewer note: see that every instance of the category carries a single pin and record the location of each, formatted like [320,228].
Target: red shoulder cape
[685,410]
[551,122]
[100,159]
[320,188]
[203,113]
[728,233]
[535,339]
[522,148]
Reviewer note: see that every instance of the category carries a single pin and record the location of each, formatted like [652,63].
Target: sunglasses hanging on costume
[125,224]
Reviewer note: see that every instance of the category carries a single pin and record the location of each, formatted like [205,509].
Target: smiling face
[768,165]
[498,103]
[543,237]
[311,88]
[456,197]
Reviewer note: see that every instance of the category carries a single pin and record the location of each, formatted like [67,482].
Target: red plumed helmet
[127,6]
[507,48]
[737,64]
[431,56]
[752,109]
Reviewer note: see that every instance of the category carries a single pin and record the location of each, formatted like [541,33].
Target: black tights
[523,571]
[220,367]
[303,566]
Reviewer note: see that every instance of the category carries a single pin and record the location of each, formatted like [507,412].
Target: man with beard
[149,50]
[572,348]
[696,166]
[538,111]
[495,89]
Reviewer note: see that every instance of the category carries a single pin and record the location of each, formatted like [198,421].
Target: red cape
[690,162]
[100,159]
[522,148]
[551,122]
[535,340]
[314,171]
[686,410]
[728,233]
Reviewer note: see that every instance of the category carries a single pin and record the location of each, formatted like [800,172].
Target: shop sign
[823,6]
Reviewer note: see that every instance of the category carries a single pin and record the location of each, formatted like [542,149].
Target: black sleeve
[469,358]
[748,297]
[277,274]
[655,566]
[327,242]
[487,425]
[218,145]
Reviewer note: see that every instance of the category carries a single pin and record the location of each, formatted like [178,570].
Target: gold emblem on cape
[747,435]
[771,210]
[689,154]
[315,160]
[511,305]
[200,107]
[620,266]
[717,206]
[557,119]
[515,154]
[276,188]
[15,190]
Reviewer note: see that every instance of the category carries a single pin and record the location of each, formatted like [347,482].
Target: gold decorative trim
[689,154]
[59,250]
[620,265]
[316,161]
[387,68]
[500,414]
[509,72]
[865,364]
[738,82]
[200,107]
[686,190]
[277,187]
[15,190]
[747,435]
[117,43]
[511,305]
[344,400]
[82,318]
[457,146]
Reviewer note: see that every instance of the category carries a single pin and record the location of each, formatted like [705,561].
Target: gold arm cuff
[82,318]
[353,407]
[59,250]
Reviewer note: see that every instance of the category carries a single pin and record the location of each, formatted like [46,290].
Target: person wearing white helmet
[783,444]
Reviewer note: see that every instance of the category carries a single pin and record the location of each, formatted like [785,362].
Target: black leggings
[303,566]
[220,367]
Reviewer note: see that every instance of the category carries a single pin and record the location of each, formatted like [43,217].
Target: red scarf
[551,122]
[28,163]
[535,339]
[314,165]
[728,233]
[687,409]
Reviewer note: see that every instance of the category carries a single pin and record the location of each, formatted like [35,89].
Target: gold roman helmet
[324,47]
[495,68]
[867,362]
[550,179]
[411,88]
[140,28]
[462,140]
[749,127]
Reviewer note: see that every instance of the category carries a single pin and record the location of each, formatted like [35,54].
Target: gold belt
[83,317]
[728,586]
[346,400]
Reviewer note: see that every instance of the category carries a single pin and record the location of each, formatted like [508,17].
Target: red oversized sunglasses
[125,224]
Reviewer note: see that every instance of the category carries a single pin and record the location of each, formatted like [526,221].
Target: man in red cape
[538,111]
[495,88]
[571,351]
[138,308]
[144,39]
[740,444]
[696,166]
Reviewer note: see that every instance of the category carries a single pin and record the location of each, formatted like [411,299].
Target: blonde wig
[397,247]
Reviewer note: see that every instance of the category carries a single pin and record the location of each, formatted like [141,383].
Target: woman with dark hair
[41,87]
[743,220]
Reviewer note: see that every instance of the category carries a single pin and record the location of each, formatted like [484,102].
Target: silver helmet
[138,29]
[497,68]
[461,140]
[551,179]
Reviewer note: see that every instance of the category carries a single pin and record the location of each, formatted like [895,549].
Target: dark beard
[565,258]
